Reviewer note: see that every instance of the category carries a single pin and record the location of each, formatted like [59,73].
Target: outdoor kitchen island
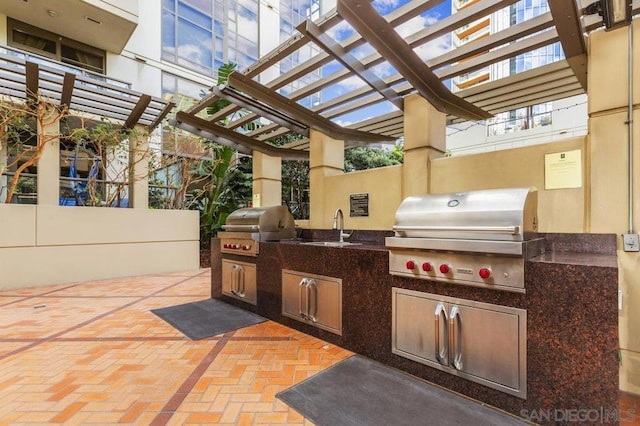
[570,303]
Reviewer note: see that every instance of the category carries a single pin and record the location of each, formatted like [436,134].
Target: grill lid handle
[512,230]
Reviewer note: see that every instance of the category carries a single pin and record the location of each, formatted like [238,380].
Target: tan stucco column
[267,180]
[326,158]
[139,169]
[424,139]
[49,164]
[609,175]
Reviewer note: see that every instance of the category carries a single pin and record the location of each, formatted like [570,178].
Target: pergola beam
[137,111]
[298,112]
[238,141]
[567,20]
[377,31]
[350,62]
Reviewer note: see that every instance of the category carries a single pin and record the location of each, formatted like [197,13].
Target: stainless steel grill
[479,238]
[244,228]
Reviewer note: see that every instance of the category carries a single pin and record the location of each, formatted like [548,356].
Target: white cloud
[351,83]
[340,31]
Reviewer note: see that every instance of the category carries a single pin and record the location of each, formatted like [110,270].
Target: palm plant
[228,187]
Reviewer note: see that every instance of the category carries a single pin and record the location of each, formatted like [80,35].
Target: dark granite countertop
[573,258]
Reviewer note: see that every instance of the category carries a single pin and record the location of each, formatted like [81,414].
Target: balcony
[105,24]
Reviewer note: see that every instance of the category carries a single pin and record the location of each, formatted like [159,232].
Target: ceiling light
[615,13]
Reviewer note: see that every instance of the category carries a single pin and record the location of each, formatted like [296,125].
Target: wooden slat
[220,134]
[301,114]
[137,112]
[31,80]
[67,90]
[161,116]
[532,88]
[350,62]
[366,20]
[567,20]
[525,45]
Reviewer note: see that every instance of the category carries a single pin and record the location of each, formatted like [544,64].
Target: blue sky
[427,51]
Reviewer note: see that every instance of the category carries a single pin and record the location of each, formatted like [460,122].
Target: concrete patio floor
[94,353]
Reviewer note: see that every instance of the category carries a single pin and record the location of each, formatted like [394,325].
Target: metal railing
[43,60]
[93,192]
[522,122]
[162,196]
[26,191]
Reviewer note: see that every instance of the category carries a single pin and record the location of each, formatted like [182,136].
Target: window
[41,42]
[202,34]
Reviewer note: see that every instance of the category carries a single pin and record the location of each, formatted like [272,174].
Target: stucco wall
[43,245]
[559,210]
[609,157]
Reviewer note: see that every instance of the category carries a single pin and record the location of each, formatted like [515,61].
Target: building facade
[535,124]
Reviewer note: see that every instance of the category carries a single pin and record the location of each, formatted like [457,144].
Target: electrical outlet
[619,300]
[631,242]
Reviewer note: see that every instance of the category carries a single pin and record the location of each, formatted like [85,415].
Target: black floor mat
[206,318]
[359,391]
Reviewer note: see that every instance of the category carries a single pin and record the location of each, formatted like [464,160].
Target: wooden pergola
[256,96]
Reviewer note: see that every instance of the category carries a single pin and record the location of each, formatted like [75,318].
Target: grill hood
[263,223]
[495,214]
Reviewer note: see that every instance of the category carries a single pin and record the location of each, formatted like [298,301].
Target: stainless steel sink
[331,243]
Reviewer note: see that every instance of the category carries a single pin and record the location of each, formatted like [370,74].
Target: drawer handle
[456,340]
[312,288]
[302,287]
[441,353]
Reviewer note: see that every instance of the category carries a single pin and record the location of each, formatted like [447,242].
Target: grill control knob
[484,273]
[411,264]
[225,245]
[235,246]
[426,266]
[445,268]
[246,247]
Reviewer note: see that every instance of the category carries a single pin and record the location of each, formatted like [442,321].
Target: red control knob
[246,247]
[225,246]
[411,264]
[484,273]
[444,268]
[426,266]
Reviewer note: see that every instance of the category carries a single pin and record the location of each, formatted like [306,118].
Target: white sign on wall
[563,170]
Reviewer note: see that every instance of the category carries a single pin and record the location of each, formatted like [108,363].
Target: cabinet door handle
[234,279]
[312,288]
[455,327]
[441,353]
[240,272]
[302,287]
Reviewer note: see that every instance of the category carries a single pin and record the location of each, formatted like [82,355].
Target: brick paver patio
[92,352]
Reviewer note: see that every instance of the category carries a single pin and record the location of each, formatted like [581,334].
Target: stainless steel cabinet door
[481,342]
[313,299]
[485,343]
[294,295]
[239,280]
[414,332]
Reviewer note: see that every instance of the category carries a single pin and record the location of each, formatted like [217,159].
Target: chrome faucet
[340,225]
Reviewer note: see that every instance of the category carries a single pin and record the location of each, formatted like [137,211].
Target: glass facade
[536,115]
[203,34]
[292,13]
